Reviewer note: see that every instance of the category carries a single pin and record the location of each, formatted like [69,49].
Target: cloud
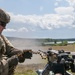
[47,21]
[23,29]
[71,2]
[64,10]
[63,17]
[10,30]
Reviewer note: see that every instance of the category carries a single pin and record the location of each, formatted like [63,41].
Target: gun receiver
[62,59]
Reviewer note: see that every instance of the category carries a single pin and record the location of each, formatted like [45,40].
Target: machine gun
[59,61]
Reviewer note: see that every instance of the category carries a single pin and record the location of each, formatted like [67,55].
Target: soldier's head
[4,17]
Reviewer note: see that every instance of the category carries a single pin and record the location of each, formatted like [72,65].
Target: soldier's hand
[13,61]
[27,54]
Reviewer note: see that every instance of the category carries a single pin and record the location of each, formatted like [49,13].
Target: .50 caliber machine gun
[59,62]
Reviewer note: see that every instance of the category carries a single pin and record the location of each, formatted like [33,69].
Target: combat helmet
[4,17]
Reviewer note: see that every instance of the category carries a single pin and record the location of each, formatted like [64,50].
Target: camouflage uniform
[7,51]
[7,59]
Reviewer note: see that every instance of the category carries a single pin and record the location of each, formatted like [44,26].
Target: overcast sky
[40,18]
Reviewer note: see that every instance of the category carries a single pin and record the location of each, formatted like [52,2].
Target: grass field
[28,69]
[28,72]
[31,69]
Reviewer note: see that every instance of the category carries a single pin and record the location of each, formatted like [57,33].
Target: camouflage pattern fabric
[6,48]
[11,70]
[4,67]
[4,17]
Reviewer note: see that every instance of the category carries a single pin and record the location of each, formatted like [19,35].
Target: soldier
[9,56]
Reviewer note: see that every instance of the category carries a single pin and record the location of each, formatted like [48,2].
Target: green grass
[23,71]
[28,72]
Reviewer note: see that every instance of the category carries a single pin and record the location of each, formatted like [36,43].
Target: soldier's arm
[10,50]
